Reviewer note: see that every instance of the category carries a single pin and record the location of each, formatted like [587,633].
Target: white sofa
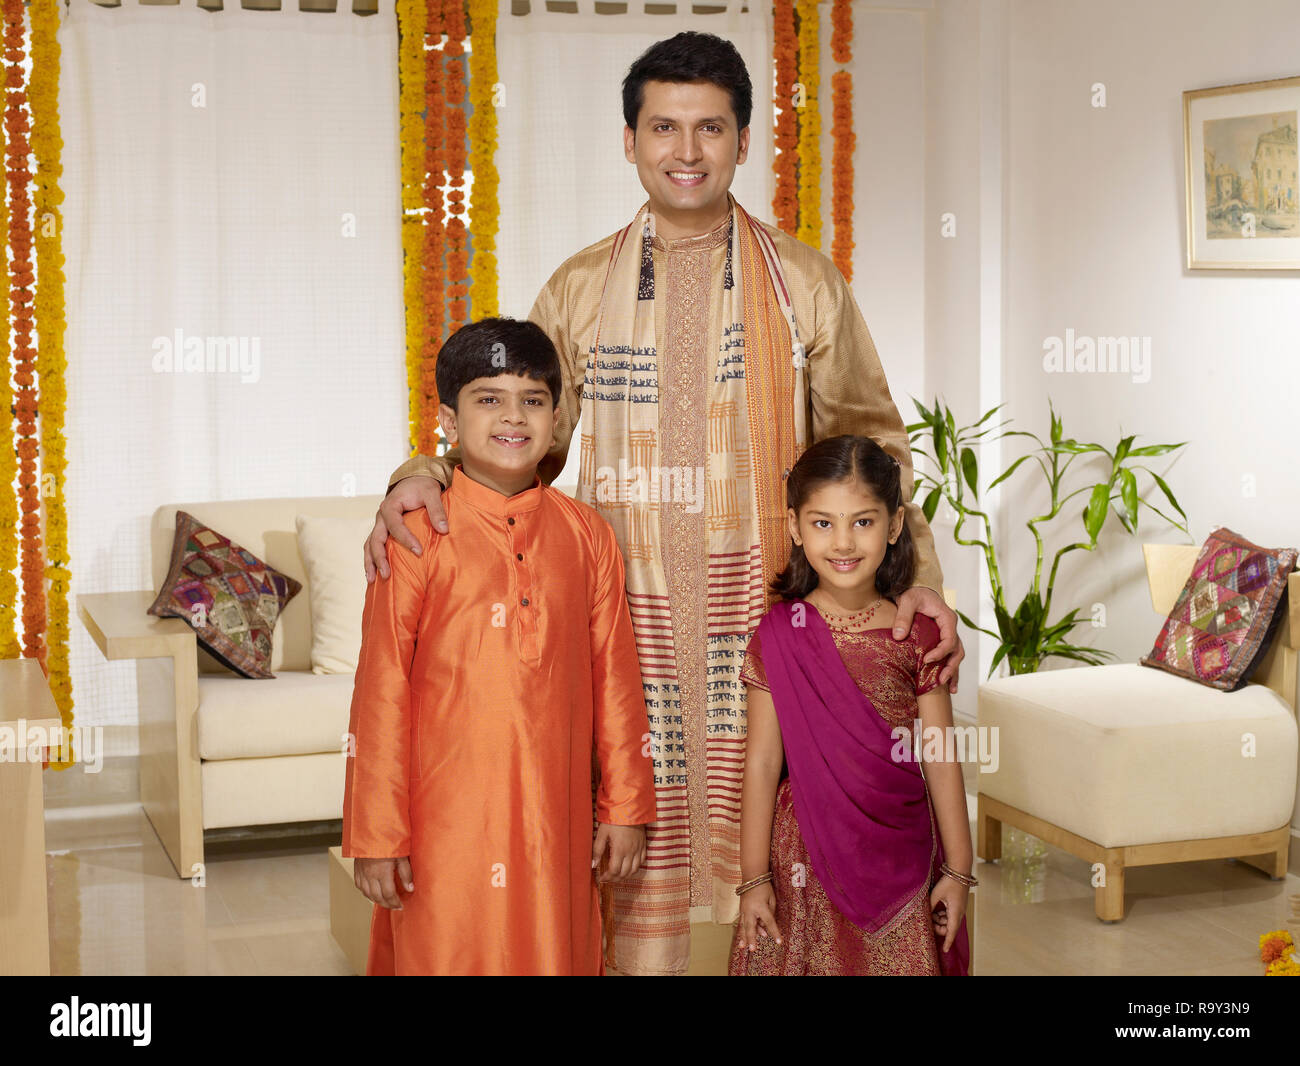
[216,749]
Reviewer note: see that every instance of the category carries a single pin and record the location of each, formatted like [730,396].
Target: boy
[494,665]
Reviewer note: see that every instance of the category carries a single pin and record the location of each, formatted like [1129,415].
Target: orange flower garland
[20,297]
[785,201]
[844,139]
[435,231]
[457,234]
[47,146]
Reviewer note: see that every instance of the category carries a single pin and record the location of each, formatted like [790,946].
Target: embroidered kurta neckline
[698,243]
[491,501]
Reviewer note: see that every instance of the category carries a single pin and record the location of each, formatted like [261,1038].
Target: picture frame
[1242,194]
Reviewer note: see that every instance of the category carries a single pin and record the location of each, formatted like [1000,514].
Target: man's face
[686,147]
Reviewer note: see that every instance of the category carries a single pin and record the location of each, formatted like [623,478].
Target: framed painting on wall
[1243,212]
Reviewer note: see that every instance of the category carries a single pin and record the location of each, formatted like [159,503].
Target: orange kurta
[492,665]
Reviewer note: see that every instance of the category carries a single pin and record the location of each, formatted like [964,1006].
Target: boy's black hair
[862,460]
[491,347]
[688,57]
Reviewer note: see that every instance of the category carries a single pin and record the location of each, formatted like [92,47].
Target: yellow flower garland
[810,128]
[433,249]
[410,67]
[47,147]
[484,218]
[8,466]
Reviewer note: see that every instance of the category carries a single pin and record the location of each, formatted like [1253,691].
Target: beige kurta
[848,393]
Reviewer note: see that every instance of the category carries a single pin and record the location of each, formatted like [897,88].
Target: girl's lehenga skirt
[817,940]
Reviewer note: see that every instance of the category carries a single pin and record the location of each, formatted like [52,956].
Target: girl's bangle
[961,879]
[760,879]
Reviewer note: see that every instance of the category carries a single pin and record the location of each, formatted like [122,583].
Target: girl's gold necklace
[847,622]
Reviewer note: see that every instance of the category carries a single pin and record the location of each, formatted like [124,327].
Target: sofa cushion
[266,527]
[299,713]
[228,596]
[1121,755]
[336,585]
[1221,624]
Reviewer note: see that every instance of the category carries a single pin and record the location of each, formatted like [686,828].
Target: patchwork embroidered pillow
[229,596]
[1221,624]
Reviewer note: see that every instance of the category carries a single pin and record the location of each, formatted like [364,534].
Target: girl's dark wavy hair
[841,459]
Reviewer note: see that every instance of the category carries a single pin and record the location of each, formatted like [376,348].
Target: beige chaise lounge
[1125,765]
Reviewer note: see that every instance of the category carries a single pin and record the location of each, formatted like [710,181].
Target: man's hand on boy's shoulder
[409,494]
[380,879]
[618,851]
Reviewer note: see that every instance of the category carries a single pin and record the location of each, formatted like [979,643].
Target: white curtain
[565,183]
[229,174]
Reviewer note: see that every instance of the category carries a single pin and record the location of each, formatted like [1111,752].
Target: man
[703,350]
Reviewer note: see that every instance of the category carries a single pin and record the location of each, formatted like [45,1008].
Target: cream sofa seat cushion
[1125,754]
[296,713]
[330,547]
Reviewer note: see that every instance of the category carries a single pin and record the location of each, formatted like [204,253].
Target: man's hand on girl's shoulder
[921,600]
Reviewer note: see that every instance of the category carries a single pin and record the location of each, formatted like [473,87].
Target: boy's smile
[686,150]
[504,425]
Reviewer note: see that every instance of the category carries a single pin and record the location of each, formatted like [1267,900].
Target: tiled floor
[117,906]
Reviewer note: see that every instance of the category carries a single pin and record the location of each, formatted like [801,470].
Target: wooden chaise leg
[988,845]
[1110,893]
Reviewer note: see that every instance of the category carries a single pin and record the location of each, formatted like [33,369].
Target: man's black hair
[494,346]
[689,57]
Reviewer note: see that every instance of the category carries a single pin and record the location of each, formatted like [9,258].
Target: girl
[843,861]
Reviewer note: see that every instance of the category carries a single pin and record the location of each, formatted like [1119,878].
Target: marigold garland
[457,233]
[810,127]
[435,230]
[844,139]
[785,200]
[51,324]
[484,219]
[1276,950]
[410,62]
[435,239]
[17,148]
[842,31]
[8,467]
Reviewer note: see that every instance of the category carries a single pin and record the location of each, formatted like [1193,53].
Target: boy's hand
[409,494]
[627,849]
[378,880]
